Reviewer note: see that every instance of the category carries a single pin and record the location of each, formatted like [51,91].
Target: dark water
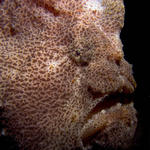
[136,51]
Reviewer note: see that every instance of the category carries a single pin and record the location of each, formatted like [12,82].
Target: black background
[135,38]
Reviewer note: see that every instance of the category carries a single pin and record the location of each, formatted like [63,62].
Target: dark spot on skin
[12,31]
[77,53]
[89,139]
[81,56]
[95,94]
[48,7]
[52,10]
[117,62]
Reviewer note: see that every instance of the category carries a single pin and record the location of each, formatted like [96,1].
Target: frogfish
[64,81]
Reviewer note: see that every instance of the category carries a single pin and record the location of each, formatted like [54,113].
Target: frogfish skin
[64,82]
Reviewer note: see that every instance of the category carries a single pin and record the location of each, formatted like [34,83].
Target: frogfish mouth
[110,123]
[64,81]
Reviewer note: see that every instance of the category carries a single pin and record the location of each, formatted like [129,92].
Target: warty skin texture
[60,62]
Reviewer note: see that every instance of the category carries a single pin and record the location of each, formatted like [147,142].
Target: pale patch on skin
[94,5]
[52,65]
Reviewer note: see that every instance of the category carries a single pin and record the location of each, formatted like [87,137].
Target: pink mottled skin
[64,82]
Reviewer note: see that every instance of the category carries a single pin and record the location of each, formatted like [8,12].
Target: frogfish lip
[111,123]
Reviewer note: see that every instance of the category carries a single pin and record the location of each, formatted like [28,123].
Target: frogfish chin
[64,82]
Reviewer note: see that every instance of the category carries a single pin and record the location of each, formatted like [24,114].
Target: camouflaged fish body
[64,82]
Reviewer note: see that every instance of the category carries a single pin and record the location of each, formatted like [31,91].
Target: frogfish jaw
[113,127]
[112,122]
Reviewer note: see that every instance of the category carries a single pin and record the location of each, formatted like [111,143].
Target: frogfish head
[64,82]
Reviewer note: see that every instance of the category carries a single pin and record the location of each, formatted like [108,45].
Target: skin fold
[64,82]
